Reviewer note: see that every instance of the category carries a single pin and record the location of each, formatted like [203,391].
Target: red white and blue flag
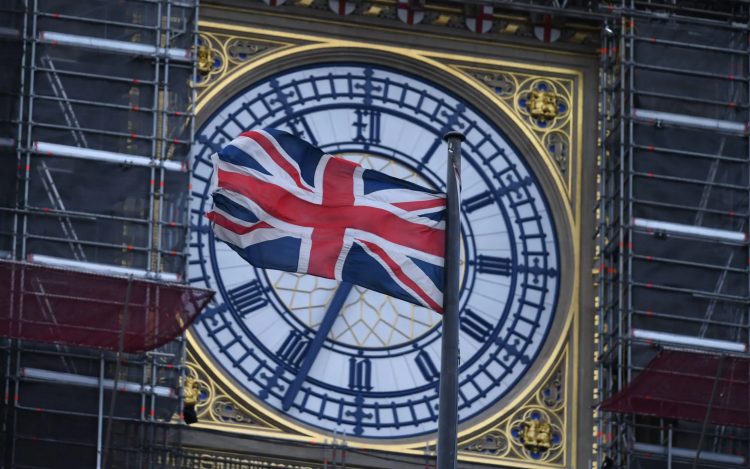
[284,204]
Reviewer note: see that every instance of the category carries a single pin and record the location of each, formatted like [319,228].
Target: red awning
[679,385]
[78,308]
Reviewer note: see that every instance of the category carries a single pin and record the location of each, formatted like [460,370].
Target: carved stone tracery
[535,431]
[214,404]
[543,104]
[220,54]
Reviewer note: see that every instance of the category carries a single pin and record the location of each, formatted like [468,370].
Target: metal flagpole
[447,450]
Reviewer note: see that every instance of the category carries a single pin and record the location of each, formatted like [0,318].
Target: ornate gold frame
[564,176]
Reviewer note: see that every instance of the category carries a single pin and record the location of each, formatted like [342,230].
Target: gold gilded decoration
[220,54]
[205,64]
[211,60]
[542,105]
[214,405]
[373,10]
[536,435]
[510,28]
[442,20]
[192,391]
[535,431]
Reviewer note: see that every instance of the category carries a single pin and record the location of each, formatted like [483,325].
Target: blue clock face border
[511,280]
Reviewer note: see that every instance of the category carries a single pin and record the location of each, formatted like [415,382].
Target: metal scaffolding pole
[673,241]
[128,65]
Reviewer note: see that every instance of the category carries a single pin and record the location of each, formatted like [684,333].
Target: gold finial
[542,105]
[204,60]
[537,435]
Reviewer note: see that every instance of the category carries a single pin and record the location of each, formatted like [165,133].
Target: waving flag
[283,204]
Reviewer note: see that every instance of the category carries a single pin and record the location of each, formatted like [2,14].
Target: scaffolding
[671,262]
[94,186]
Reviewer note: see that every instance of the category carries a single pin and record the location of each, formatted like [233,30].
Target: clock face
[375,373]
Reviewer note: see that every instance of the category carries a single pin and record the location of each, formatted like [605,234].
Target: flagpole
[447,450]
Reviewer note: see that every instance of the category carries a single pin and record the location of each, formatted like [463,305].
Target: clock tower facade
[382,94]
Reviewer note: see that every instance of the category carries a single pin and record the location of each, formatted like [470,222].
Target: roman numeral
[426,366]
[478,201]
[293,349]
[367,132]
[360,374]
[282,97]
[475,326]
[204,161]
[494,265]
[248,298]
[305,132]
[212,311]
[215,143]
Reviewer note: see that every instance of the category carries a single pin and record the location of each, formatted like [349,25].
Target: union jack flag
[284,204]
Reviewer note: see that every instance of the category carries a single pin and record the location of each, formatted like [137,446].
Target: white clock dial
[374,373]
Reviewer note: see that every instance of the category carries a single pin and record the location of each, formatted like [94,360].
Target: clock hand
[334,307]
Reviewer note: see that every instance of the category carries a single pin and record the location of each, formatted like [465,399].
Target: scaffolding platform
[95,131]
[673,323]
[70,307]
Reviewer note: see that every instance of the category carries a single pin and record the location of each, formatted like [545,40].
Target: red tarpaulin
[679,385]
[78,308]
